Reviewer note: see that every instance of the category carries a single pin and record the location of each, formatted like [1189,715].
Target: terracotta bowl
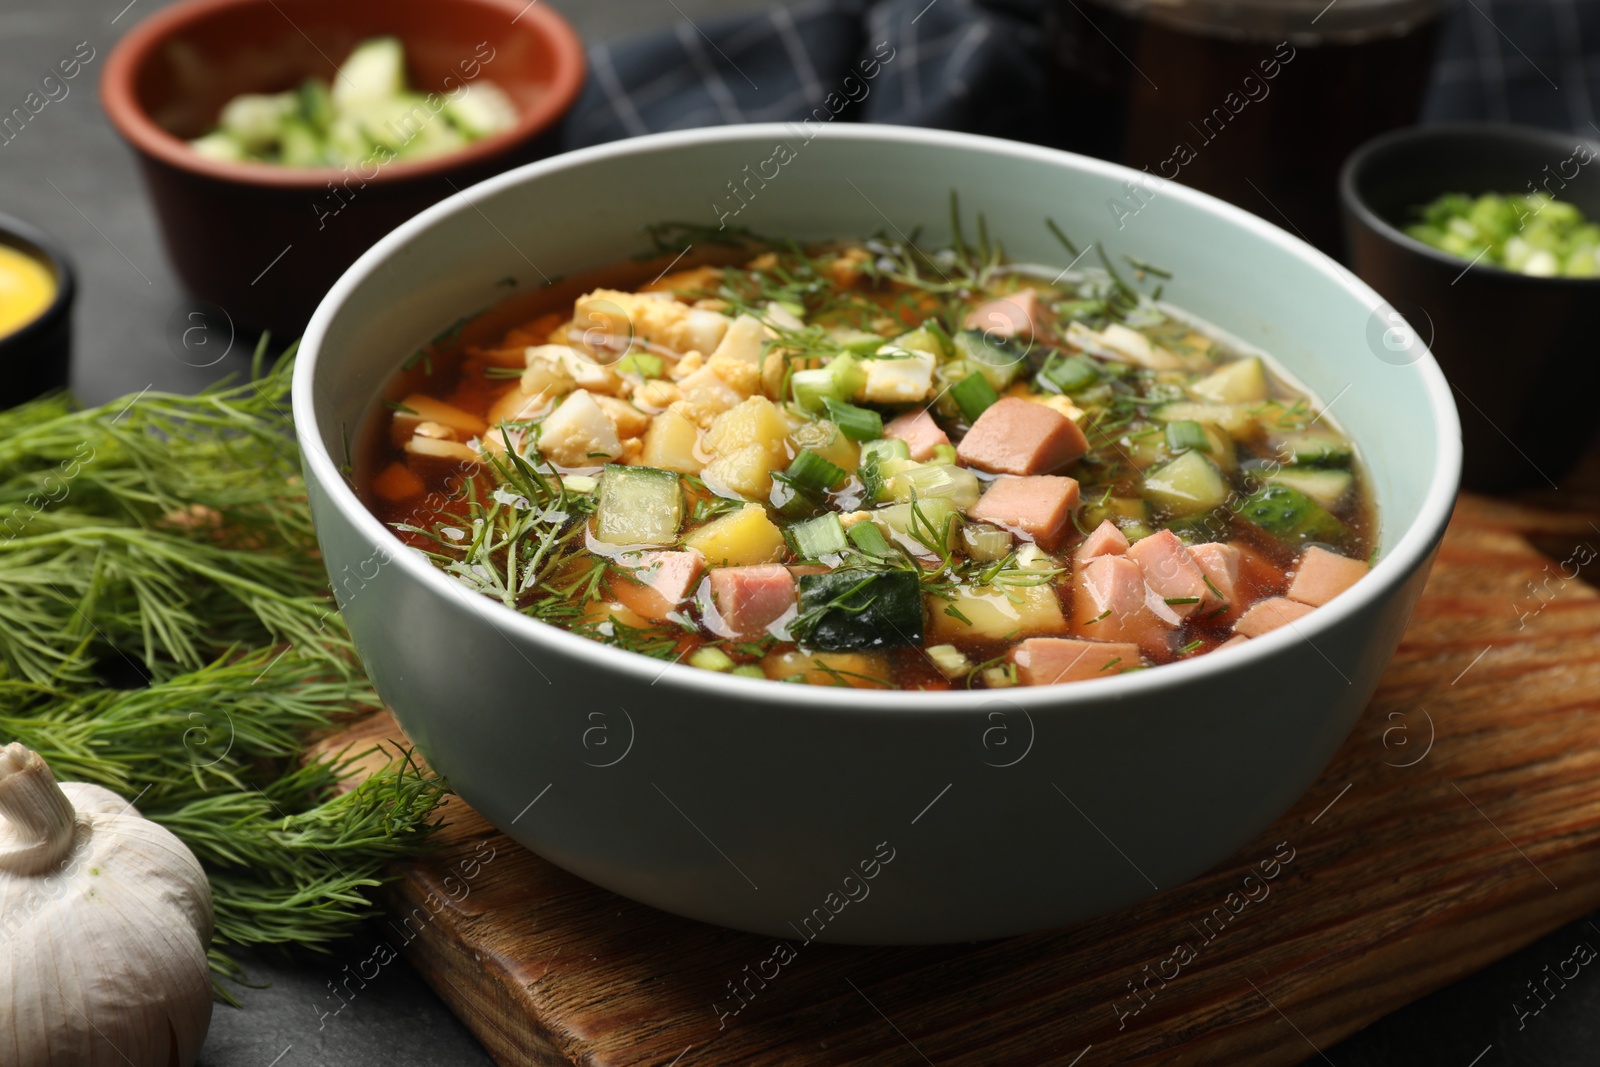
[266,242]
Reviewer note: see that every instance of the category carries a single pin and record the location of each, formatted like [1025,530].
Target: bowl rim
[1357,163]
[1409,553]
[145,135]
[48,251]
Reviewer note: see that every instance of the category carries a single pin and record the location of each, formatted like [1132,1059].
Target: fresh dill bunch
[167,631]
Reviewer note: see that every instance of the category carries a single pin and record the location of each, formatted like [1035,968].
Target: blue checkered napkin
[947,63]
[1529,61]
[978,65]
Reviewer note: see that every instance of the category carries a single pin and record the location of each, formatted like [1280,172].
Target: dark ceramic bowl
[1518,350]
[34,359]
[266,242]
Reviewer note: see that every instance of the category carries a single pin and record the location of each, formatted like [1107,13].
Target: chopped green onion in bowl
[1535,234]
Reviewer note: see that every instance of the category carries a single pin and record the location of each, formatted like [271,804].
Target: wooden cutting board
[1459,822]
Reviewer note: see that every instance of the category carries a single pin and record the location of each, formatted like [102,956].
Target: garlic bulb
[104,922]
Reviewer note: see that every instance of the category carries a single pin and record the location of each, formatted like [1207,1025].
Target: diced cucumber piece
[221,146]
[1326,487]
[710,658]
[1313,448]
[481,110]
[1070,374]
[818,537]
[1189,485]
[997,359]
[1185,435]
[944,454]
[638,506]
[316,104]
[929,525]
[923,339]
[1122,511]
[935,480]
[301,145]
[642,364]
[841,379]
[1236,419]
[1290,515]
[374,70]
[256,120]
[853,609]
[348,142]
[1243,381]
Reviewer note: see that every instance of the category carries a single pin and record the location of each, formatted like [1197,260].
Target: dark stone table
[69,174]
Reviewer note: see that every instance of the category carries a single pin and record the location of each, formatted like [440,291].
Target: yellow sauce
[26,289]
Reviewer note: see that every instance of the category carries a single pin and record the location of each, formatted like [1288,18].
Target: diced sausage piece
[1322,575]
[1106,540]
[750,599]
[1110,602]
[1220,564]
[656,582]
[1233,642]
[1044,660]
[1269,615]
[1039,506]
[1012,315]
[1017,437]
[1170,571]
[920,433]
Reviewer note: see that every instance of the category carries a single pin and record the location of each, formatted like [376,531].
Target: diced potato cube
[706,394]
[669,443]
[824,438]
[857,670]
[518,405]
[419,408]
[743,340]
[756,421]
[629,420]
[996,613]
[435,448]
[745,472]
[582,368]
[741,538]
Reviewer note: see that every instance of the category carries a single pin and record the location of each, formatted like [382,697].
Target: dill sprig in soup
[860,464]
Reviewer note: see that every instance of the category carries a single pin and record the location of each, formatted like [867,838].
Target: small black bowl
[1518,350]
[35,358]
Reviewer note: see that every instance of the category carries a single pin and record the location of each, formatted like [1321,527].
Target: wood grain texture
[1458,823]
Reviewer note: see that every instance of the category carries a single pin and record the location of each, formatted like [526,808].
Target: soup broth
[858,464]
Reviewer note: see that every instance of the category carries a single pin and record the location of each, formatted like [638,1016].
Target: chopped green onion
[711,658]
[792,499]
[986,543]
[1070,374]
[818,537]
[868,538]
[841,379]
[642,364]
[943,454]
[749,670]
[858,424]
[973,395]
[811,471]
[1186,434]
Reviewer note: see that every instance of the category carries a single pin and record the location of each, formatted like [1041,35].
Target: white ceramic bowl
[846,815]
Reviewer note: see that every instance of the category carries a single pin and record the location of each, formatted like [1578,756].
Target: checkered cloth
[978,66]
